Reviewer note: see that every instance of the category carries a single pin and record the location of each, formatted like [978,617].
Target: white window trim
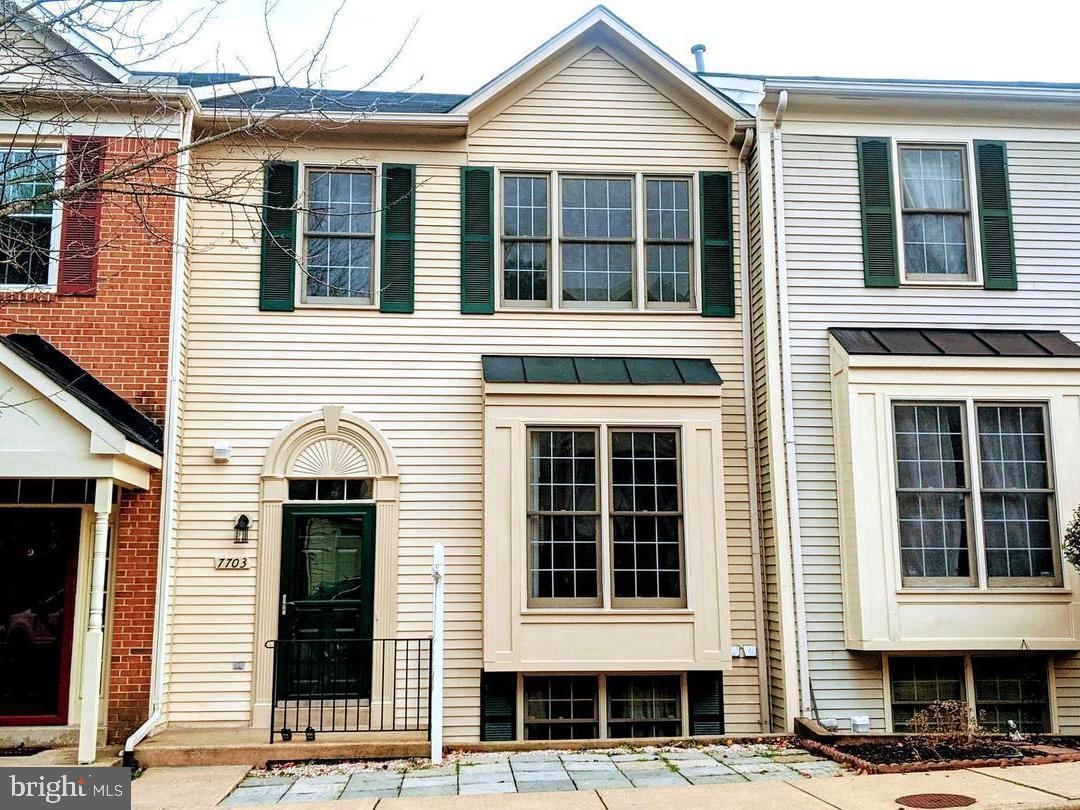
[976,531]
[301,296]
[605,557]
[639,304]
[57,222]
[969,681]
[974,279]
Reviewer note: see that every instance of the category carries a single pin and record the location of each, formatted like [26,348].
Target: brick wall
[120,335]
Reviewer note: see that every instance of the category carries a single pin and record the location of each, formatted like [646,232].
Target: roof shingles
[955,342]
[502,368]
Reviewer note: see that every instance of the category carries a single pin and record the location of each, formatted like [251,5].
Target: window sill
[944,284]
[14,293]
[503,309]
[344,305]
[543,612]
[1024,590]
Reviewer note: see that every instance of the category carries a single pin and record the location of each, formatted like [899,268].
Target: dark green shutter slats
[995,216]
[881,267]
[277,269]
[498,705]
[397,277]
[705,693]
[717,250]
[477,240]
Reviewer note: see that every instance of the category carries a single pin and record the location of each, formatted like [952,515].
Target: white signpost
[438,572]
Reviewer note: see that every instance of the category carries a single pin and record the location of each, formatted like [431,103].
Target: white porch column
[93,647]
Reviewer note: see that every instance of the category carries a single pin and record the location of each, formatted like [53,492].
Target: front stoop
[243,746]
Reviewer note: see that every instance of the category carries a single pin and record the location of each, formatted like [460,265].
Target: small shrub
[951,717]
[1071,542]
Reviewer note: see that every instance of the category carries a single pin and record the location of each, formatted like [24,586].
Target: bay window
[643,529]
[1011,476]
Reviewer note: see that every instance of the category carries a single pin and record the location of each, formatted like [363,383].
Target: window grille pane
[932,184]
[525,271]
[646,523]
[1012,688]
[341,202]
[919,681]
[668,272]
[525,207]
[330,489]
[667,209]
[339,267]
[597,271]
[25,244]
[561,708]
[1016,497]
[563,518]
[931,503]
[668,240]
[644,706]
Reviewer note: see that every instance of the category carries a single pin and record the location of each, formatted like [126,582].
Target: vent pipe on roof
[699,57]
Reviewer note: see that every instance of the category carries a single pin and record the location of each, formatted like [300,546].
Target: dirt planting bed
[930,752]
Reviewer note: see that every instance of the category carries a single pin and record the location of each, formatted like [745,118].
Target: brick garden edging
[835,754]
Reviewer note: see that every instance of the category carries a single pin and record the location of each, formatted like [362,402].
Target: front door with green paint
[327,602]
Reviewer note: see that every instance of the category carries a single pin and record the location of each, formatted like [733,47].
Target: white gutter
[751,453]
[172,421]
[786,395]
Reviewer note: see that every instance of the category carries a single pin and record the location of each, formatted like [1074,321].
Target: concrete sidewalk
[1025,788]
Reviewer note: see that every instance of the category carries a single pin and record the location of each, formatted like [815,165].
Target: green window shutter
[881,267]
[717,247]
[705,693]
[397,277]
[995,216]
[498,704]
[277,268]
[477,240]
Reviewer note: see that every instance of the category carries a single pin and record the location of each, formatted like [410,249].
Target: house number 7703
[230,563]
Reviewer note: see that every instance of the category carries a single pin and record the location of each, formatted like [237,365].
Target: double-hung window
[669,240]
[643,527]
[29,239]
[339,237]
[1008,485]
[577,241]
[936,211]
[526,240]
[597,241]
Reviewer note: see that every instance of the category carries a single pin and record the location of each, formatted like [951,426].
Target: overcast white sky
[457,46]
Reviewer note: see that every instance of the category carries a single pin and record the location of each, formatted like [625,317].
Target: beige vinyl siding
[773,654]
[417,379]
[824,253]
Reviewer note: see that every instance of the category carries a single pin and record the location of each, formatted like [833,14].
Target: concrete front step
[243,746]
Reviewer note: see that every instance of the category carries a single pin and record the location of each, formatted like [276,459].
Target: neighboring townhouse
[510,323]
[85,288]
[914,280]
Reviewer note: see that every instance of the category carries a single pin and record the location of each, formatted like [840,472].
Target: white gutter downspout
[751,454]
[172,422]
[794,521]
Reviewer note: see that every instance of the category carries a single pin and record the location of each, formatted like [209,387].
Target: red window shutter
[80,225]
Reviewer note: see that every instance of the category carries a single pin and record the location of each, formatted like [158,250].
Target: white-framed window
[997,688]
[599,241]
[975,490]
[339,255]
[937,230]
[30,240]
[605,493]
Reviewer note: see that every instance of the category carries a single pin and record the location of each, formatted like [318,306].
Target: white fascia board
[105,438]
[907,89]
[415,119]
[601,16]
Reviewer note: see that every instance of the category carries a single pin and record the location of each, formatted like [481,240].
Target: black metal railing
[355,685]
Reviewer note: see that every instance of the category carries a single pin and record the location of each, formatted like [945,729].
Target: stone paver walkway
[541,771]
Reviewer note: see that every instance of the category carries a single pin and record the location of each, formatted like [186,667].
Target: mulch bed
[19,751]
[904,755]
